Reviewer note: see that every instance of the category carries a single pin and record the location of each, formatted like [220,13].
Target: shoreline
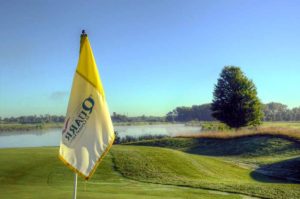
[10,127]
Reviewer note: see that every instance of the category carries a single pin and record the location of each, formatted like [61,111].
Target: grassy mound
[248,146]
[254,146]
[166,166]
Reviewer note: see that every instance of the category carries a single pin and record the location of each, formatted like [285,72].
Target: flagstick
[75,175]
[75,186]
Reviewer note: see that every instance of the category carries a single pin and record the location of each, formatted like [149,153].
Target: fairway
[178,170]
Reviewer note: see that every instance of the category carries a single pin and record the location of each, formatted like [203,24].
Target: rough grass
[216,125]
[289,133]
[290,125]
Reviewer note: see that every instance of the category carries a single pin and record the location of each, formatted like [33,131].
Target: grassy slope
[277,155]
[167,166]
[271,155]
[260,149]
[199,163]
[37,173]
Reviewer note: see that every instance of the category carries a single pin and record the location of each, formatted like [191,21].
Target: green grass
[167,166]
[203,167]
[255,146]
[247,146]
[253,151]
[37,173]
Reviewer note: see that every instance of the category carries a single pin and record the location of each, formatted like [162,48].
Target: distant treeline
[123,118]
[279,112]
[272,112]
[185,114]
[34,119]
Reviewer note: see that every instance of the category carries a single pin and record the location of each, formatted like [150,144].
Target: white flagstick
[75,175]
[75,186]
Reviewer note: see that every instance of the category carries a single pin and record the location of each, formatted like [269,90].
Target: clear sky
[153,55]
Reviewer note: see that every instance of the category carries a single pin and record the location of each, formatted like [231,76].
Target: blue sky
[152,55]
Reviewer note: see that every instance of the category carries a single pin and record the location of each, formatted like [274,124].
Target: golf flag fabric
[88,131]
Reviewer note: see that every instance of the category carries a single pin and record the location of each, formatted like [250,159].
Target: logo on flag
[76,126]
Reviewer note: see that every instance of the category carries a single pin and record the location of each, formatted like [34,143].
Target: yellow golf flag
[88,131]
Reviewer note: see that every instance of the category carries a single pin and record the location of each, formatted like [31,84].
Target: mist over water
[160,129]
[51,137]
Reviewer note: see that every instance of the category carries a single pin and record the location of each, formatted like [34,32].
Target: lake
[51,137]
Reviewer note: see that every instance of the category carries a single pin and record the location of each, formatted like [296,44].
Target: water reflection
[49,137]
[29,132]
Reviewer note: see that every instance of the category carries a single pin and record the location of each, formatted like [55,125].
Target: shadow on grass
[245,146]
[287,171]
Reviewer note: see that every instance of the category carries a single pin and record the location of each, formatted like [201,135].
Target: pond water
[51,137]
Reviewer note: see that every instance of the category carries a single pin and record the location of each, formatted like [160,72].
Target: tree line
[185,114]
[34,119]
[279,112]
[124,118]
[273,111]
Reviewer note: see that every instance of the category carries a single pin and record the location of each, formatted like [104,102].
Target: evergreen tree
[235,100]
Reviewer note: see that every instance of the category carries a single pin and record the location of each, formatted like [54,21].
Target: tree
[202,112]
[275,111]
[117,138]
[196,112]
[235,100]
[170,117]
[184,114]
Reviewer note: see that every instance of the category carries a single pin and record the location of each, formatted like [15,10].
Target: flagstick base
[75,186]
